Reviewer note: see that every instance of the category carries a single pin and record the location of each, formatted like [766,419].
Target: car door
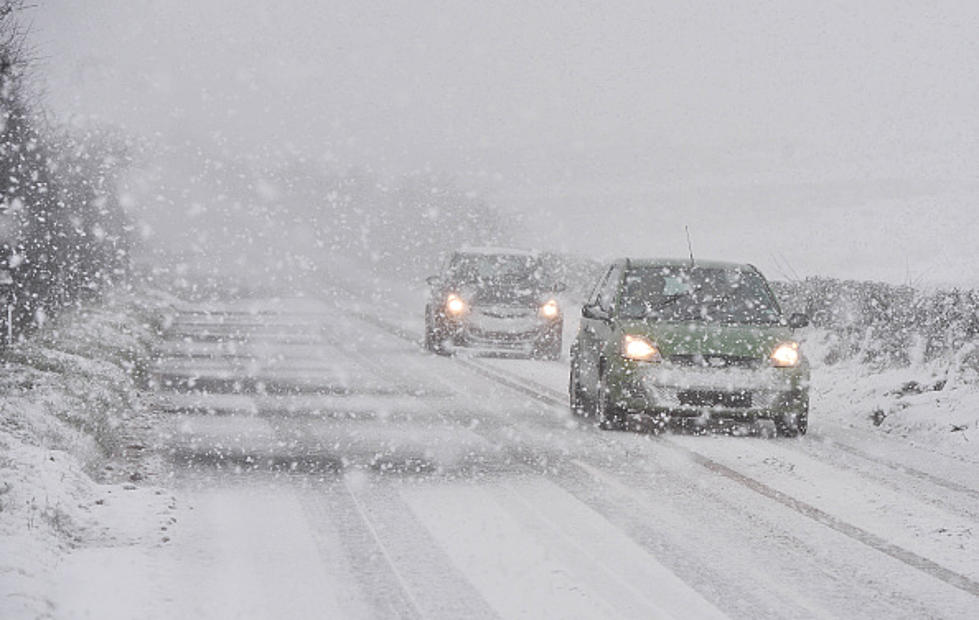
[596,327]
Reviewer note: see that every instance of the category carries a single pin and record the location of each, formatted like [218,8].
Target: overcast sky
[635,109]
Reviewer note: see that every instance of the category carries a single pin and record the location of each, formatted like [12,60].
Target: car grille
[705,398]
[716,361]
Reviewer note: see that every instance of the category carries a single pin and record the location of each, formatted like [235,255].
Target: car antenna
[689,246]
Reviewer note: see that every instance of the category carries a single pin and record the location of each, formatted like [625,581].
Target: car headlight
[786,355]
[549,309]
[639,349]
[455,305]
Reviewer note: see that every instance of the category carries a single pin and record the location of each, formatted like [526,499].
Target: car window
[495,267]
[593,296]
[683,293]
[445,264]
[606,294]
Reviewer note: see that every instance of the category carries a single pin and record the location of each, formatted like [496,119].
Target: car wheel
[429,339]
[433,336]
[552,351]
[548,347]
[575,396]
[793,423]
[610,416]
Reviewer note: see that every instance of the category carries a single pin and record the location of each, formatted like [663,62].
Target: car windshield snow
[691,293]
[480,268]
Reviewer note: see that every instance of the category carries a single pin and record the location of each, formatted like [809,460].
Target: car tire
[610,416]
[433,336]
[577,400]
[548,347]
[552,352]
[793,423]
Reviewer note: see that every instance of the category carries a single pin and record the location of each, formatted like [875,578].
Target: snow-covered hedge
[63,233]
[885,325]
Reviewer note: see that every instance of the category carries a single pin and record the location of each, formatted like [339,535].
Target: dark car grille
[704,398]
[716,361]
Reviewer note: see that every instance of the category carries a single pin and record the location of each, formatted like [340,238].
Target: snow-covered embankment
[72,468]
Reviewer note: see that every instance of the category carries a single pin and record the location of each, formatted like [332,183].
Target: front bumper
[506,333]
[665,389]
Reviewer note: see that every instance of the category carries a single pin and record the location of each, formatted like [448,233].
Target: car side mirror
[798,320]
[560,287]
[433,280]
[594,311]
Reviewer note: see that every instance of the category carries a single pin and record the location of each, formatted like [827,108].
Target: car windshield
[491,268]
[690,293]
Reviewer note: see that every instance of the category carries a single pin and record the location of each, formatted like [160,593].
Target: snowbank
[71,452]
[933,403]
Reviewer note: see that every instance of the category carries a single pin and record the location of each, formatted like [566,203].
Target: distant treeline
[63,235]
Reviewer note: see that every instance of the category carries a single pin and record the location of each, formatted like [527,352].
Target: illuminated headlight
[786,355]
[454,305]
[640,349]
[550,309]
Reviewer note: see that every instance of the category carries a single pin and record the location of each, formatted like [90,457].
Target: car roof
[682,262]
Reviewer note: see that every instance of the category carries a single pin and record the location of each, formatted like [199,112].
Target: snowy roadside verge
[72,462]
[928,403]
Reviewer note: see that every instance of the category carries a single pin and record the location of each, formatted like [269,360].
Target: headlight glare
[454,305]
[639,349]
[549,309]
[786,355]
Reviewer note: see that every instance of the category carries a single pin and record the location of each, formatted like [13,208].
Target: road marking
[871,540]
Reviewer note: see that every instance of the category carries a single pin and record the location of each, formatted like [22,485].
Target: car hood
[699,338]
[503,295]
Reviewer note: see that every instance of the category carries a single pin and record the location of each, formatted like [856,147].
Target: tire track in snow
[793,564]
[627,557]
[546,395]
[409,606]
[908,471]
[869,539]
[723,594]
[400,569]
[377,559]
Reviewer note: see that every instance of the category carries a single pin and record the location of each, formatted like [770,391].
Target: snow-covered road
[327,467]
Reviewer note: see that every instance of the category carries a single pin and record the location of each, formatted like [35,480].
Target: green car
[666,339]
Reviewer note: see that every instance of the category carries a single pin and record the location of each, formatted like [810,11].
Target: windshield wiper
[672,299]
[649,309]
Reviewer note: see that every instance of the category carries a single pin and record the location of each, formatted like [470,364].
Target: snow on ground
[929,403]
[70,464]
[71,470]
